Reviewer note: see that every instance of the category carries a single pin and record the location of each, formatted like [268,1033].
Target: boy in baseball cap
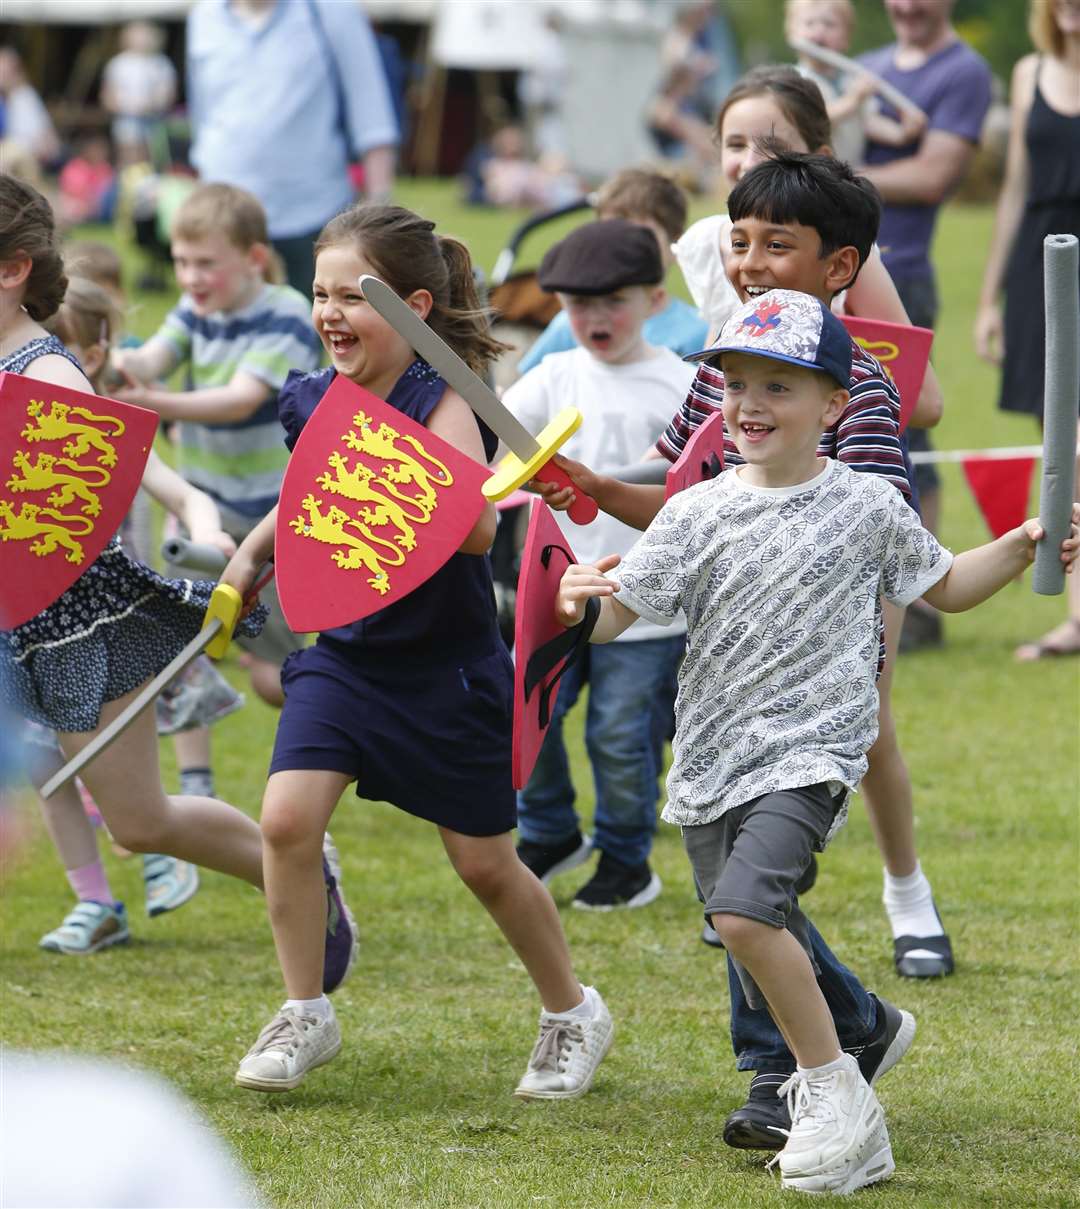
[779,565]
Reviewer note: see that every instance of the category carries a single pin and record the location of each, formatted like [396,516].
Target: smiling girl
[413,703]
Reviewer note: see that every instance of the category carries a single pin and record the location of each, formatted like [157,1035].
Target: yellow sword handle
[225,605]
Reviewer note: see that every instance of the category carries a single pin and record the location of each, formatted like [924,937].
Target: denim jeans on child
[629,684]
[756,1040]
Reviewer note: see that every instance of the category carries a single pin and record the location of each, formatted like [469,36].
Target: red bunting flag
[1002,488]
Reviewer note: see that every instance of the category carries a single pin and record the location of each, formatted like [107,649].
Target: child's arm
[193,507]
[254,550]
[873,296]
[150,361]
[859,90]
[454,420]
[895,132]
[240,398]
[977,574]
[635,504]
[581,583]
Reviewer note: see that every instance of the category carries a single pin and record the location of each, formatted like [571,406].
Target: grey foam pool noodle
[190,556]
[1061,272]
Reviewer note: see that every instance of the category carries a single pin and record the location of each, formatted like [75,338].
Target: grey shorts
[748,861]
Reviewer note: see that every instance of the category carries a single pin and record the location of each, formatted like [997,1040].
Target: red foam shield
[545,557]
[903,350]
[372,505]
[71,464]
[702,457]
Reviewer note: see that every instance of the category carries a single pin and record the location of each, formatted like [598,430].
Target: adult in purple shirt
[951,83]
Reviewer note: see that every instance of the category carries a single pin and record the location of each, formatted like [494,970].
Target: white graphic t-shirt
[780,588]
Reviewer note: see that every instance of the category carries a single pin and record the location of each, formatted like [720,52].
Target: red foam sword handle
[583,509]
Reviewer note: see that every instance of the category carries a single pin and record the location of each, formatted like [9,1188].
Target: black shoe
[894,1031]
[546,861]
[617,885]
[711,937]
[936,965]
[763,1121]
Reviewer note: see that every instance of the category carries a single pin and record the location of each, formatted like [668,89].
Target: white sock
[910,905]
[321,1008]
[584,1010]
[835,1064]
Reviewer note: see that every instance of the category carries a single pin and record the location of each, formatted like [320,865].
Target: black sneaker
[549,860]
[617,885]
[763,1121]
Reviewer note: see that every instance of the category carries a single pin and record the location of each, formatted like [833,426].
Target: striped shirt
[866,437]
[240,463]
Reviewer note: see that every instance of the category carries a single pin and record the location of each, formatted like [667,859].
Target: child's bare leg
[71,831]
[523,909]
[126,783]
[297,807]
[886,787]
[266,681]
[192,749]
[782,970]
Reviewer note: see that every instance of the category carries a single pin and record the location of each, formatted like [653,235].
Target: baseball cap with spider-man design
[786,325]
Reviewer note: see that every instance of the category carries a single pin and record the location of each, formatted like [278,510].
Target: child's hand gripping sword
[222,614]
[529,457]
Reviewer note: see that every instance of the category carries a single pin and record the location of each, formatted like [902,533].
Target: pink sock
[90,883]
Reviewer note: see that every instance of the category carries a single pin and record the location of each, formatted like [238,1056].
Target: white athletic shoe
[287,1048]
[567,1053]
[838,1141]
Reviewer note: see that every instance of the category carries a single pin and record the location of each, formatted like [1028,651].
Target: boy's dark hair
[814,191]
[636,193]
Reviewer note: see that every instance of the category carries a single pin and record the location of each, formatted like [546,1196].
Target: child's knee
[286,825]
[485,875]
[738,932]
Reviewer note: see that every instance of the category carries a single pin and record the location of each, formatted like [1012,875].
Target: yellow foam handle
[225,605]
[512,471]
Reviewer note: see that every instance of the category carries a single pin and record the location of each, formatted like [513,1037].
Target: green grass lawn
[439,1018]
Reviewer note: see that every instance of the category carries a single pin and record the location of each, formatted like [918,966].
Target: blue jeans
[757,1041]
[629,688]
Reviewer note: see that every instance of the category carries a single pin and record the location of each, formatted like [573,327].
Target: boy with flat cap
[608,276]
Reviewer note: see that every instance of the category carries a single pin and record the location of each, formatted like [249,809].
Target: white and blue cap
[786,325]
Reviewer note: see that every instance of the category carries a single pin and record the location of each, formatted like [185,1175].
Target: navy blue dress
[416,700]
[117,625]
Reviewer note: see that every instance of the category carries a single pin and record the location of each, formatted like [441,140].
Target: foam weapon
[220,620]
[1061,290]
[842,63]
[529,456]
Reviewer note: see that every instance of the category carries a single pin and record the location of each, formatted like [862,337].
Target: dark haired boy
[779,566]
[807,223]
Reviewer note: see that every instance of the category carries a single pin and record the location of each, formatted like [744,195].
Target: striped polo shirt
[866,437]
[240,463]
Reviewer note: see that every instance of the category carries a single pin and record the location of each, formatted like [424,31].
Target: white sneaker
[838,1141]
[287,1048]
[567,1053]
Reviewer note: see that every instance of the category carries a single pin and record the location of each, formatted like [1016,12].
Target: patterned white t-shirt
[780,588]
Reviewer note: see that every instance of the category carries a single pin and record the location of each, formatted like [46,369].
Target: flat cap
[602,257]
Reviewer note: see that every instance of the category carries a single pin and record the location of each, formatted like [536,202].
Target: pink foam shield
[71,464]
[545,557]
[372,505]
[903,350]
[702,457]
